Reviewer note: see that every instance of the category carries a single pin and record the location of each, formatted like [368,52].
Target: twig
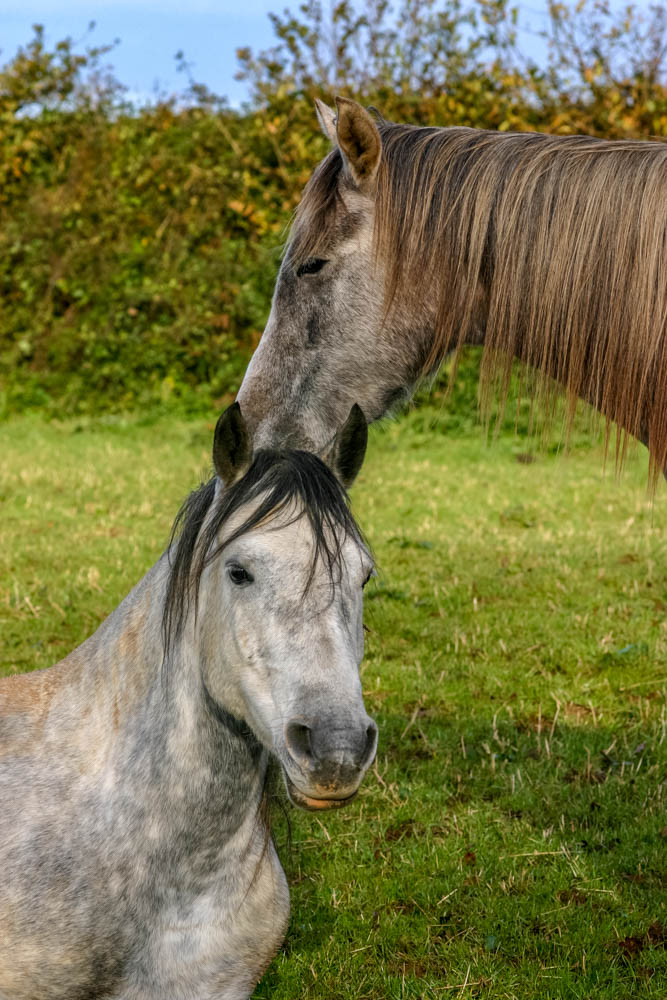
[413,717]
[528,854]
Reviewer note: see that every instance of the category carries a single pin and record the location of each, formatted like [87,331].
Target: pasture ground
[511,841]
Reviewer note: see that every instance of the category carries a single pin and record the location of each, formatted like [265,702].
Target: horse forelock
[551,249]
[277,481]
[319,211]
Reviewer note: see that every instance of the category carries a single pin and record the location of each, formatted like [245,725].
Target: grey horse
[135,851]
[410,242]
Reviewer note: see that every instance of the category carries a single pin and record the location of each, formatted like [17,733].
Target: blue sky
[152,31]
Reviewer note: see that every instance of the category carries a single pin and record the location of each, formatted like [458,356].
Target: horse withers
[135,851]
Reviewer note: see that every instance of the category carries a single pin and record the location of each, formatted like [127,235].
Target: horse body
[411,242]
[135,851]
[133,856]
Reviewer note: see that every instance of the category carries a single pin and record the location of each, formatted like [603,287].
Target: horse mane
[551,249]
[279,480]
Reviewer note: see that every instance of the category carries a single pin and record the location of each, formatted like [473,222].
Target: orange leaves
[220,321]
[257,217]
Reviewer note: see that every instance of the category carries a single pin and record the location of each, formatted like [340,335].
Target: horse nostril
[371,742]
[298,740]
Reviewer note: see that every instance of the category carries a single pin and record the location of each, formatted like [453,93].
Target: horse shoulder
[26,701]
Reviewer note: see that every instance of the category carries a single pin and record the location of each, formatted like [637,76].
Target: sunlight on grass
[511,839]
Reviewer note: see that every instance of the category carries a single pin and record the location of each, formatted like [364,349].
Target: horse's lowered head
[278,571]
[329,341]
[410,242]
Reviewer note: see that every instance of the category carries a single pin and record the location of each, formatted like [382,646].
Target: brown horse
[410,242]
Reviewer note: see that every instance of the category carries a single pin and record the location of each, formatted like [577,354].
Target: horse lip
[311,804]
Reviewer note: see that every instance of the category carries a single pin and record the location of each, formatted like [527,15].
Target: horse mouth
[311,804]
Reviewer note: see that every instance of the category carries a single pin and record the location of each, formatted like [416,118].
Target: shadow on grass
[528,854]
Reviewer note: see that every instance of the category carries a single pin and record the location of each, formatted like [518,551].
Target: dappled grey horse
[135,855]
[410,242]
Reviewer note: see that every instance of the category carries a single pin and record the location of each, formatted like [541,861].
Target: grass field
[511,841]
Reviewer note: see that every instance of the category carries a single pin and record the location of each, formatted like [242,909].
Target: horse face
[292,648]
[319,352]
[328,342]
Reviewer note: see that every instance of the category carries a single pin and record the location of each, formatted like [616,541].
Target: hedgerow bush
[139,245]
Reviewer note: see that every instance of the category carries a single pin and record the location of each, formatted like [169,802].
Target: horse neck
[153,722]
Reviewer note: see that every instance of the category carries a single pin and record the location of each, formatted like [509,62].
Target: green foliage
[139,246]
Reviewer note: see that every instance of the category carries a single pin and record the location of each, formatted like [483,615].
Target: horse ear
[326,116]
[232,447]
[359,142]
[349,448]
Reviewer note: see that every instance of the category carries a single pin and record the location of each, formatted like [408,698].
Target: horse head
[281,568]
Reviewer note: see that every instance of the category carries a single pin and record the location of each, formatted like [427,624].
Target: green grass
[511,840]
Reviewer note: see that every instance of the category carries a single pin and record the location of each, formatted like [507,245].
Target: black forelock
[282,479]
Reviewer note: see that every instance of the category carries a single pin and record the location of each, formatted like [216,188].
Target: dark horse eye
[311,266]
[367,580]
[239,575]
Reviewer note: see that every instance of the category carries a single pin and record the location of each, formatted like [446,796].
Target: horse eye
[368,578]
[239,575]
[311,266]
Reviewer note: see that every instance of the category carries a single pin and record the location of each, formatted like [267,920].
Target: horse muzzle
[325,763]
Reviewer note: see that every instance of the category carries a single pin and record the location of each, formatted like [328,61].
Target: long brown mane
[550,249]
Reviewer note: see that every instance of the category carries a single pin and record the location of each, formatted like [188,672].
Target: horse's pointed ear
[326,116]
[349,448]
[232,447]
[359,142]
